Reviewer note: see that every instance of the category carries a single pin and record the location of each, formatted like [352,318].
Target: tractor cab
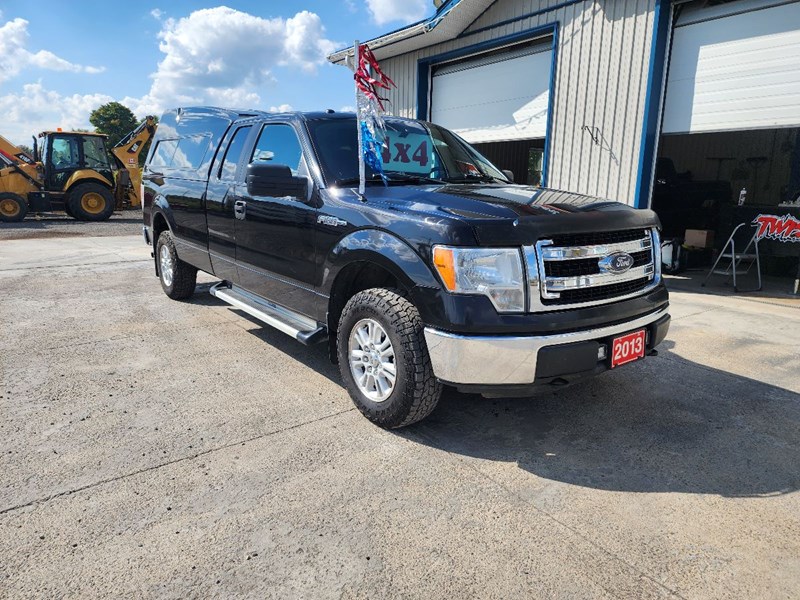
[65,153]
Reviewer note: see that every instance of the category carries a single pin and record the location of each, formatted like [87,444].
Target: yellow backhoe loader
[73,172]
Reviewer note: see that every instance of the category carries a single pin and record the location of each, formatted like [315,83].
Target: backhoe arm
[126,152]
[12,154]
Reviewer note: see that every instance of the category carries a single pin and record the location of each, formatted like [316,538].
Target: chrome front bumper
[507,360]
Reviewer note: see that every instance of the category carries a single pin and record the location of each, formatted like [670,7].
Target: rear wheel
[13,208]
[90,202]
[178,278]
[383,359]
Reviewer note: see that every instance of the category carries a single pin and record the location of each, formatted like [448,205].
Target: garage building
[682,106]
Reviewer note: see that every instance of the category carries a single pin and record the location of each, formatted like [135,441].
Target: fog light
[601,352]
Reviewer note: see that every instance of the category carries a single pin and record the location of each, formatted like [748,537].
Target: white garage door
[497,97]
[734,66]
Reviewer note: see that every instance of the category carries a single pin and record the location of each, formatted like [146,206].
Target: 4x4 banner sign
[779,229]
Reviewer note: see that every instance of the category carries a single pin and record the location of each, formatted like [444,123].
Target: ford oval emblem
[616,263]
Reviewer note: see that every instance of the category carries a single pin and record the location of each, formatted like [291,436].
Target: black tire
[183,277]
[13,208]
[90,202]
[68,210]
[416,390]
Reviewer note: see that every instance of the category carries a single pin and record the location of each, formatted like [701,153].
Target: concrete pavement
[150,448]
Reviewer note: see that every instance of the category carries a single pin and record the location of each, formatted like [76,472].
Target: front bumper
[524,360]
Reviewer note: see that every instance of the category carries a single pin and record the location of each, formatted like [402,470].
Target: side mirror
[509,174]
[276,181]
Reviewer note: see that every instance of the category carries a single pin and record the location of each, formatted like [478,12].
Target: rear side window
[190,152]
[163,153]
[227,170]
[278,144]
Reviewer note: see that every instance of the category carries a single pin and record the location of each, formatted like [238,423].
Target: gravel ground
[160,449]
[56,225]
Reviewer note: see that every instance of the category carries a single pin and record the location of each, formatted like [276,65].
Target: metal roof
[452,17]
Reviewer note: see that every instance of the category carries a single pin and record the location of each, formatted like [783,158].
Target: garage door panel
[506,99]
[735,72]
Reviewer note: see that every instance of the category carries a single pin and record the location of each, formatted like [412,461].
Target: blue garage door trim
[424,76]
[652,103]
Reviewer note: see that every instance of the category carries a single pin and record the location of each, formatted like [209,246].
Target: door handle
[240,209]
[157,178]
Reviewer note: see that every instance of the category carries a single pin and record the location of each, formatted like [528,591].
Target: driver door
[63,160]
[275,236]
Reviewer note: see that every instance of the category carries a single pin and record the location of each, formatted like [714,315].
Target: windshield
[412,152]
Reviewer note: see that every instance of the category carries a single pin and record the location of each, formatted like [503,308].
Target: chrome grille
[566,270]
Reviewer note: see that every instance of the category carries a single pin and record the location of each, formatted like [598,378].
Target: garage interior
[730,143]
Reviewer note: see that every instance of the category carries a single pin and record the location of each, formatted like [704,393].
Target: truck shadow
[664,425]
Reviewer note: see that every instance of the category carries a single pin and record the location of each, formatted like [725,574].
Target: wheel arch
[366,259]
[162,220]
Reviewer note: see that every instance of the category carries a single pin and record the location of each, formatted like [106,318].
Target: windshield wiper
[345,181]
[393,176]
[477,179]
[403,176]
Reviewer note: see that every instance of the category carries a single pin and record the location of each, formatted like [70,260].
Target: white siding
[602,65]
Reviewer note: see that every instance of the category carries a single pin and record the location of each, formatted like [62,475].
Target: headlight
[492,272]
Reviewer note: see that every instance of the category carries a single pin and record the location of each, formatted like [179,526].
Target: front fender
[84,175]
[382,248]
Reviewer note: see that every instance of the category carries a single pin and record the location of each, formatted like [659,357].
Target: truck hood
[514,214]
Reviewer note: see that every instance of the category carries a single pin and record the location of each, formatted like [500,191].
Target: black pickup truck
[445,274]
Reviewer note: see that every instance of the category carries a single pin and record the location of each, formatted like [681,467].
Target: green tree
[25,148]
[113,119]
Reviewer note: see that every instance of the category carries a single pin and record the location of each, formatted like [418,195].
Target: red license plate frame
[628,348]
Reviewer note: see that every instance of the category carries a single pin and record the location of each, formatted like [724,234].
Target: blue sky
[59,60]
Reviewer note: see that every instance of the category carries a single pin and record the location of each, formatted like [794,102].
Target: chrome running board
[303,329]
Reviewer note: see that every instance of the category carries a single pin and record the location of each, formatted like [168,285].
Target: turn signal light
[444,262]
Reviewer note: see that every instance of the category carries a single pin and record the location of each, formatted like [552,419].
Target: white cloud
[37,109]
[281,109]
[407,11]
[223,56]
[15,57]
[157,13]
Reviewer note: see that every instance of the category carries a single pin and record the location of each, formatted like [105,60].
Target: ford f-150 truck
[445,273]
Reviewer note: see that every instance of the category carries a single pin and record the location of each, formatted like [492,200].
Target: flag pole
[362,185]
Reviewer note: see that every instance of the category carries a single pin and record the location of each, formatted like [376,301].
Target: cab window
[162,155]
[65,153]
[279,145]
[227,170]
[94,152]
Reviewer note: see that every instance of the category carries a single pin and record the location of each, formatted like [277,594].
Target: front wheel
[383,359]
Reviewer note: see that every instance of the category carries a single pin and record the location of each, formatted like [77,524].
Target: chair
[735,267]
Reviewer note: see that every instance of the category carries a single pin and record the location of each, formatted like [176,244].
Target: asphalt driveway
[151,448]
